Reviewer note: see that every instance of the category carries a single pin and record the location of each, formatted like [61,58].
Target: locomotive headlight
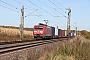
[35,32]
[41,32]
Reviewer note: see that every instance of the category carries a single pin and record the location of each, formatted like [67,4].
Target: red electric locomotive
[42,31]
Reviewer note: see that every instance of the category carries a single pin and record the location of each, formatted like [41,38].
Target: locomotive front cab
[38,31]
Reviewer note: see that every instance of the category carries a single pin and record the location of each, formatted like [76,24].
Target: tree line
[85,34]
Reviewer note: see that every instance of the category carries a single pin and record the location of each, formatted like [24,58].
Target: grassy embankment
[74,50]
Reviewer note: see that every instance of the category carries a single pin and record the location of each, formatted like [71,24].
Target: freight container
[56,31]
[65,32]
[62,33]
[71,34]
[59,32]
[53,31]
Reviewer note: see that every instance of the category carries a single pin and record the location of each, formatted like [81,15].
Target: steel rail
[17,46]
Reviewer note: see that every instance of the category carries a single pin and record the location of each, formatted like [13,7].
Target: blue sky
[45,10]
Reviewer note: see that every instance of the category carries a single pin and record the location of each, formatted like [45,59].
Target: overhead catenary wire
[54,9]
[48,6]
[9,4]
[57,10]
[24,4]
[51,10]
[60,12]
[10,8]
[40,8]
[60,4]
[31,13]
[56,6]
[28,7]
[17,8]
[45,4]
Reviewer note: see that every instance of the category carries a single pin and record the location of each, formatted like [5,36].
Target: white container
[65,33]
[56,31]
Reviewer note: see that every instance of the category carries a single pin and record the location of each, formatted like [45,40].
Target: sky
[36,11]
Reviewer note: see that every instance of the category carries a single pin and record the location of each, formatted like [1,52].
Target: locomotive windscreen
[38,27]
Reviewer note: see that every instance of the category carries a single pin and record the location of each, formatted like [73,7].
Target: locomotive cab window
[39,27]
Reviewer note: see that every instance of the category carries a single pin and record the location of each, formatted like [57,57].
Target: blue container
[71,34]
[53,31]
[59,32]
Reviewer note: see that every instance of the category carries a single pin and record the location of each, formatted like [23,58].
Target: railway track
[9,47]
[14,42]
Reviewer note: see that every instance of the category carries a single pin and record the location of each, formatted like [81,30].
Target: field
[13,34]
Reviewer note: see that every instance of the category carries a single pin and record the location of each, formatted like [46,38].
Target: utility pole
[76,32]
[75,29]
[46,21]
[68,22]
[22,24]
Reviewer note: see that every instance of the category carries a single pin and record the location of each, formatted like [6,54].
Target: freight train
[44,31]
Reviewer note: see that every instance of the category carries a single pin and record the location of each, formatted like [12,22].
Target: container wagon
[56,33]
[53,32]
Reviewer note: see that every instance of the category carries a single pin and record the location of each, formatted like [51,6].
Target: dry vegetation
[9,34]
[78,49]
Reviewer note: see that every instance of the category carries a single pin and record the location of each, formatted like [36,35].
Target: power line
[45,4]
[9,4]
[60,4]
[24,4]
[27,8]
[56,5]
[16,7]
[13,6]
[48,6]
[60,12]
[43,9]
[40,8]
[31,13]
[9,8]
[30,9]
[55,10]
